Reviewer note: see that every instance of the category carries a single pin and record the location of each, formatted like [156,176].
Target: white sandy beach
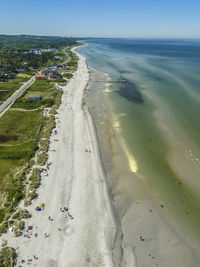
[75,180]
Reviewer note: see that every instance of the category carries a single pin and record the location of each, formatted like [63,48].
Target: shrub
[2,215]
[15,194]
[7,257]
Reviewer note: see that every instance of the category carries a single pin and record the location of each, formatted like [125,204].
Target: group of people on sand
[64,209]
[42,206]
[48,165]
[50,218]
[86,150]
[29,261]
[67,210]
[47,235]
[29,232]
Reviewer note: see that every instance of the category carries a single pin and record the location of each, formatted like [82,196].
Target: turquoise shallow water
[157,113]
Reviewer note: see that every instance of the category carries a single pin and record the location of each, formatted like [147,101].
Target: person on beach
[51,219]
[71,217]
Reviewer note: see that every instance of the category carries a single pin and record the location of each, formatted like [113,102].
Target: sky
[102,18]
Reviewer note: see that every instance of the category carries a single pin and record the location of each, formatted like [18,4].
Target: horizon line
[103,37]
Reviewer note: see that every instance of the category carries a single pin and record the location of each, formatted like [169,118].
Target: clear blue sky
[111,18]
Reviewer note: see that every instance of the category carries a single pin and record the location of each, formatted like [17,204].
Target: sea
[152,91]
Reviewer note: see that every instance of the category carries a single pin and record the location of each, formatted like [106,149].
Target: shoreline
[72,178]
[123,252]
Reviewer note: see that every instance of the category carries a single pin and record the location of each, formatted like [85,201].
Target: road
[68,60]
[16,94]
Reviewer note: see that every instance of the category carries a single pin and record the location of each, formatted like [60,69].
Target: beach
[76,226]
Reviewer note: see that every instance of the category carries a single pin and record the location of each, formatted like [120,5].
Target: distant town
[10,71]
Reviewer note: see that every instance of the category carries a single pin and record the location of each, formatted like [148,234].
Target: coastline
[72,178]
[112,220]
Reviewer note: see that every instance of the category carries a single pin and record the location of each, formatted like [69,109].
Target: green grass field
[8,88]
[18,143]
[10,85]
[18,126]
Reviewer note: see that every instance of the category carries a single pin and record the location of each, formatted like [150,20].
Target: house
[3,75]
[52,72]
[20,70]
[39,51]
[34,97]
[6,65]
[58,58]
[53,64]
[49,70]
[40,76]
[55,75]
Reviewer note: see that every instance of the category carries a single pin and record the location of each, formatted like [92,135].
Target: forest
[25,42]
